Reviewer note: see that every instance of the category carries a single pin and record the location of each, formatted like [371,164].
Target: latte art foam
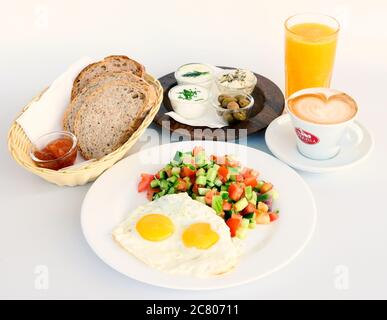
[323,108]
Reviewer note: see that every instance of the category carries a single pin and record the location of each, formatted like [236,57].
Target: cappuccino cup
[323,121]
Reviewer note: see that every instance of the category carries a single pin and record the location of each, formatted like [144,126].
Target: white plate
[268,247]
[281,140]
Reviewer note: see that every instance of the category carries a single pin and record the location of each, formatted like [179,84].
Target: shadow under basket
[19,146]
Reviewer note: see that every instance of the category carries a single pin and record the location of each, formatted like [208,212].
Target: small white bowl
[203,81]
[189,108]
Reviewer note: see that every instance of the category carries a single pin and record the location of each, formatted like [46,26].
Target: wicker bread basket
[19,146]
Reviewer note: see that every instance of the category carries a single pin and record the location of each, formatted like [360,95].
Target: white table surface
[40,222]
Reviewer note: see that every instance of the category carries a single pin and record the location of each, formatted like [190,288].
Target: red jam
[56,155]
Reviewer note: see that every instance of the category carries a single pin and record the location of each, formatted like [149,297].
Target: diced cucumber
[178,158]
[252,224]
[241,204]
[248,216]
[233,171]
[262,197]
[224,188]
[188,182]
[233,177]
[175,171]
[201,172]
[249,192]
[171,190]
[224,195]
[164,185]
[227,215]
[253,199]
[273,194]
[187,159]
[217,204]
[163,175]
[201,199]
[200,159]
[259,185]
[210,184]
[155,183]
[245,222]
[161,193]
[218,182]
[203,191]
[172,179]
[241,233]
[201,180]
[211,174]
[193,196]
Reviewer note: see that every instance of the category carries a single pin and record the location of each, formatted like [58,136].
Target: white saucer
[281,140]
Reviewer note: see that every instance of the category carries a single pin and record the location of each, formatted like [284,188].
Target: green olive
[240,116]
[226,101]
[239,97]
[233,105]
[228,117]
[244,102]
[222,97]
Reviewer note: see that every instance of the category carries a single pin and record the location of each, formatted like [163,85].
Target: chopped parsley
[189,94]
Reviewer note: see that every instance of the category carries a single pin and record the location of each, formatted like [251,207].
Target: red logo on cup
[306,137]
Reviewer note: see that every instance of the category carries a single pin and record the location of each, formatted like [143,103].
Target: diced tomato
[157,175]
[254,173]
[234,223]
[251,181]
[223,173]
[273,216]
[235,192]
[208,197]
[227,206]
[220,160]
[232,163]
[239,178]
[195,188]
[187,172]
[247,173]
[249,209]
[181,185]
[145,181]
[197,150]
[151,192]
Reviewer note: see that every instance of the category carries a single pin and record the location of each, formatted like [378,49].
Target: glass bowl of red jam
[55,150]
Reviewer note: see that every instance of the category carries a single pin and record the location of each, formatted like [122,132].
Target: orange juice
[309,55]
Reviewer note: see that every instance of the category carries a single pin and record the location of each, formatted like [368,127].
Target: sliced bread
[98,82]
[109,64]
[108,117]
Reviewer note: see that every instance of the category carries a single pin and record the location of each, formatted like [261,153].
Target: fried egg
[178,235]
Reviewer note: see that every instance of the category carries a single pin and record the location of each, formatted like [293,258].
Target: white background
[40,222]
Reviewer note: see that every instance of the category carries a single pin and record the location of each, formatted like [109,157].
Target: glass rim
[337,29]
[65,133]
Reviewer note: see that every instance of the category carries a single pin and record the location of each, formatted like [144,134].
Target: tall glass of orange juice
[310,47]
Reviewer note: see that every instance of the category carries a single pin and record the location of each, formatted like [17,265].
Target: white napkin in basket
[46,114]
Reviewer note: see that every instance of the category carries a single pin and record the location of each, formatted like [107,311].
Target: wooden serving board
[269,104]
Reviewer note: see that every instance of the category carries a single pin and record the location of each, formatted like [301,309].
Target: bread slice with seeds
[109,64]
[108,117]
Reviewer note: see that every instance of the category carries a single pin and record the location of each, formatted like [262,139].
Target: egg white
[171,255]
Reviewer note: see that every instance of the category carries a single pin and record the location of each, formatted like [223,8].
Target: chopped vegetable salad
[237,194]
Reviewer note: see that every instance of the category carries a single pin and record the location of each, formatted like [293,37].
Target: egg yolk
[200,236]
[155,227]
